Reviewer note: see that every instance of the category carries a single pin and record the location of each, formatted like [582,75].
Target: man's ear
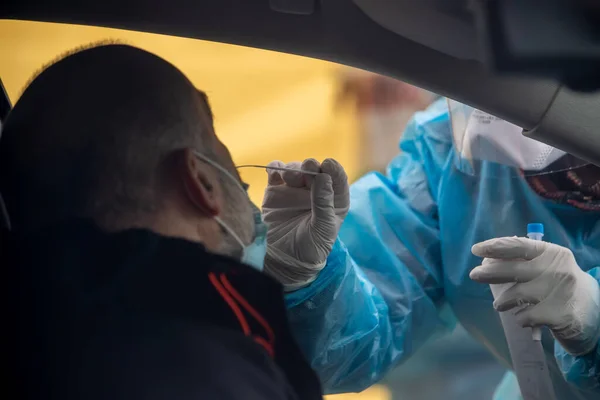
[200,181]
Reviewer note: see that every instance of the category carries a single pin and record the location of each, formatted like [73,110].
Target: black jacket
[135,315]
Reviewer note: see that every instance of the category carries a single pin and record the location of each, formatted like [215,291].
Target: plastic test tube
[535,231]
[525,345]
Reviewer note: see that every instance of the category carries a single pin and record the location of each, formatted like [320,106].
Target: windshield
[271,106]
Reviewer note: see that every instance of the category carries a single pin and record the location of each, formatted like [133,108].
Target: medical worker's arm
[379,296]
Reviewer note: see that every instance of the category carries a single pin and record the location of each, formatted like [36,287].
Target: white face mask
[488,138]
[254,253]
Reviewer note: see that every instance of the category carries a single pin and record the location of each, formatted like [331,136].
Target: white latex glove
[304,214]
[555,292]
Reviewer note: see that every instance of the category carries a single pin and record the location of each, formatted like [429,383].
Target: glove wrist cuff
[292,273]
[581,337]
[575,347]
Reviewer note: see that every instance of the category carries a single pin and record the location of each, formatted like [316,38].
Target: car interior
[535,66]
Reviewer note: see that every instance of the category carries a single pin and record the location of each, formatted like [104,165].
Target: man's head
[110,133]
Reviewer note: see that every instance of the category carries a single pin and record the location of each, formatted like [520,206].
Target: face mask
[492,139]
[254,253]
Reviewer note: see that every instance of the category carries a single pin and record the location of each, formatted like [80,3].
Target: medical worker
[403,267]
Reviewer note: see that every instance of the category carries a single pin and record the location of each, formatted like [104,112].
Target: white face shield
[489,145]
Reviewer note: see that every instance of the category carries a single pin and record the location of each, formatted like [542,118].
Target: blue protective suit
[404,255]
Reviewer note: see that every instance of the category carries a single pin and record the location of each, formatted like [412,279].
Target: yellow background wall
[267,105]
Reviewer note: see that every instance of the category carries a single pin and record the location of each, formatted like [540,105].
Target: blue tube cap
[535,228]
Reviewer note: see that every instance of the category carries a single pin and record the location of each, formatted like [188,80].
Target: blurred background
[272,106]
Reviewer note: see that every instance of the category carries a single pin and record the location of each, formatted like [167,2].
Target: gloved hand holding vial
[546,278]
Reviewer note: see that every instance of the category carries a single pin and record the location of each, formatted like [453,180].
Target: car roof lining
[339,31]
[450,26]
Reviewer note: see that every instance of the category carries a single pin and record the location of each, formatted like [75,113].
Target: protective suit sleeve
[582,371]
[379,296]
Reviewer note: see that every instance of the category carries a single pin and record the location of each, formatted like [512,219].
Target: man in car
[402,270]
[133,268]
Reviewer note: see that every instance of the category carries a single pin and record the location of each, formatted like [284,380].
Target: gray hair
[92,136]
